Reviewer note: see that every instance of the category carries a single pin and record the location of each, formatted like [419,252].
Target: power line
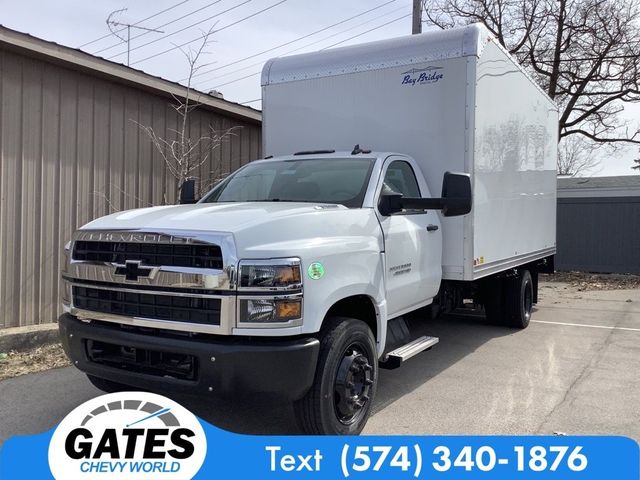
[182,30]
[137,23]
[159,26]
[307,45]
[367,31]
[236,80]
[349,29]
[292,41]
[345,40]
[338,43]
[251,101]
[214,31]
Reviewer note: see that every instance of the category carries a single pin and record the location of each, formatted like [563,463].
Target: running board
[401,354]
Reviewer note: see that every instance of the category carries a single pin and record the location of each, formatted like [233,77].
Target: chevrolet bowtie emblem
[133,270]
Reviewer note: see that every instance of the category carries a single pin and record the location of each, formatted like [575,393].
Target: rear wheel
[520,300]
[339,400]
[108,386]
[509,300]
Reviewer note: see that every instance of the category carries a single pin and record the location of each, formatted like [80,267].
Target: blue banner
[163,444]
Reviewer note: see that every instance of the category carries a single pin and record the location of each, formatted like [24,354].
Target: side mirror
[390,203]
[456,194]
[188,191]
[456,198]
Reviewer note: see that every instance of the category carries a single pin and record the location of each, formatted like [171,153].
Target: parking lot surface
[575,370]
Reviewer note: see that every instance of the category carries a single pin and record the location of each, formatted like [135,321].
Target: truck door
[412,243]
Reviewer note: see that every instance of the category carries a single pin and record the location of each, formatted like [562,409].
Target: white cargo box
[453,100]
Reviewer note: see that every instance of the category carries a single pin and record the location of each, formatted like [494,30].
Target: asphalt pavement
[575,370]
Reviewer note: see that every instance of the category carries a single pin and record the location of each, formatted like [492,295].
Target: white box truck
[293,274]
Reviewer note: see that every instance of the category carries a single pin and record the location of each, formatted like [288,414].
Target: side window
[401,179]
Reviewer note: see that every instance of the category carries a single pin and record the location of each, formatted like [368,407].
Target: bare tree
[583,52]
[184,155]
[577,156]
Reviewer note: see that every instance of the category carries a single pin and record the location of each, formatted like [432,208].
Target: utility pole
[417,17]
[113,25]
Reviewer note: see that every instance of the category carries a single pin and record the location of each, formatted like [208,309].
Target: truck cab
[236,289]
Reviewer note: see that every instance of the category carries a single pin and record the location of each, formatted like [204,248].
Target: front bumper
[219,365]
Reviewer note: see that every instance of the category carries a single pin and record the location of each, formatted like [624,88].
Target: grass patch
[594,281]
[14,364]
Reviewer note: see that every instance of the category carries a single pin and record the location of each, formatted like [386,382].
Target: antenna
[113,23]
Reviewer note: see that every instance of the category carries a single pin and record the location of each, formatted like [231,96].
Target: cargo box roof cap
[406,50]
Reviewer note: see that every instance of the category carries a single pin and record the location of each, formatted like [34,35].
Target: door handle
[432,228]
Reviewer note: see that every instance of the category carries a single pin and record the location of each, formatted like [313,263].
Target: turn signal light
[286,310]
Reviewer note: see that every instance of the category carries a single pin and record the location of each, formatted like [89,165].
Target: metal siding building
[71,150]
[599,224]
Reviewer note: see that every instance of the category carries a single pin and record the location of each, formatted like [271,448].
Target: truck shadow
[460,335]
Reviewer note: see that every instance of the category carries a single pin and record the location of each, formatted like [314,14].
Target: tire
[339,401]
[519,300]
[108,386]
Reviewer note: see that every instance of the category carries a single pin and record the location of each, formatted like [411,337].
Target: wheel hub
[352,385]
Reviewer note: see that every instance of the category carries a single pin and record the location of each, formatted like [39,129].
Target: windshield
[335,180]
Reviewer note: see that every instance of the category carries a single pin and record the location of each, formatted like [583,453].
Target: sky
[244,31]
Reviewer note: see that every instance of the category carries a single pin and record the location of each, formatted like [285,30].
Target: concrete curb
[24,338]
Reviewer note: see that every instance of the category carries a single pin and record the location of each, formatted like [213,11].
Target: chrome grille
[148,305]
[172,280]
[151,254]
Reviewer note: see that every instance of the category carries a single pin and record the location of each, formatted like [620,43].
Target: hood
[262,229]
[212,217]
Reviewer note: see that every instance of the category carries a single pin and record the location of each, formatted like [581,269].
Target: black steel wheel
[339,401]
[353,383]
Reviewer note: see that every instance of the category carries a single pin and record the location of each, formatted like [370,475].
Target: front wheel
[339,401]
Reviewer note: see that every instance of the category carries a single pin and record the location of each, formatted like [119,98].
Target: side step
[395,358]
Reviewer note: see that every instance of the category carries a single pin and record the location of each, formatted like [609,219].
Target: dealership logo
[422,76]
[132,435]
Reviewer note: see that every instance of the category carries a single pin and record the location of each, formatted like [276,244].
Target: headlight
[274,274]
[271,310]
[276,293]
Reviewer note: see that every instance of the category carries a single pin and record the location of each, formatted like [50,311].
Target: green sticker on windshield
[315,271]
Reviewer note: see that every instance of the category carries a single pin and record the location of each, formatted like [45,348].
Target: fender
[379,304]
